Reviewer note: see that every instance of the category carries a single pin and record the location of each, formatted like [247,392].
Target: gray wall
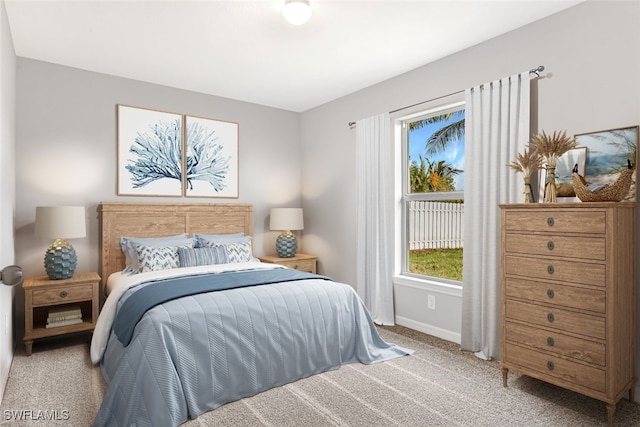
[592,82]
[592,57]
[66,129]
[7,189]
[66,133]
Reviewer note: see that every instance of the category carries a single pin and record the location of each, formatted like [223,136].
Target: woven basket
[614,192]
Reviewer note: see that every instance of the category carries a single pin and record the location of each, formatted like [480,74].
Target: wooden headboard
[119,219]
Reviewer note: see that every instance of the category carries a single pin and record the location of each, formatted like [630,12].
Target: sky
[454,155]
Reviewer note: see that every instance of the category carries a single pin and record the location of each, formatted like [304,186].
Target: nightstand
[41,295]
[300,262]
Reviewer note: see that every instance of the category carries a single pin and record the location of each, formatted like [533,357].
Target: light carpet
[438,385]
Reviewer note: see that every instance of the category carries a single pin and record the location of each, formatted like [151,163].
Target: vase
[550,184]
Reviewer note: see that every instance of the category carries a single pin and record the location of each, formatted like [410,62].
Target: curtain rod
[536,71]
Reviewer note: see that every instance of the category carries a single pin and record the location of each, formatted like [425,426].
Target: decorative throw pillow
[203,239]
[236,251]
[156,258]
[131,256]
[192,257]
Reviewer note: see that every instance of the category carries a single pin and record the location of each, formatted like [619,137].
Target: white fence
[435,224]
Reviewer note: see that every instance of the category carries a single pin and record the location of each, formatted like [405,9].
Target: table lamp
[285,220]
[59,223]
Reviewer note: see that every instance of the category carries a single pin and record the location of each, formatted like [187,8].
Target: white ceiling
[245,50]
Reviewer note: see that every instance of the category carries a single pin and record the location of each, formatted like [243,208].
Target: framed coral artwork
[212,158]
[167,154]
[149,152]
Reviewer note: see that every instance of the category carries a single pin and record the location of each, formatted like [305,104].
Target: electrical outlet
[431,302]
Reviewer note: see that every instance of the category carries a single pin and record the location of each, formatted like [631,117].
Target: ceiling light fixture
[296,12]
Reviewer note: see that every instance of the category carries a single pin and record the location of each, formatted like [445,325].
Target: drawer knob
[296,266]
[550,293]
[550,245]
[550,365]
[63,294]
[550,221]
[550,317]
[550,269]
[551,342]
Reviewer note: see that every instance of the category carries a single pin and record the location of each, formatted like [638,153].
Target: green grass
[446,263]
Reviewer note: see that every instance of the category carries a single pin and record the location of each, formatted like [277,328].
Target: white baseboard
[428,329]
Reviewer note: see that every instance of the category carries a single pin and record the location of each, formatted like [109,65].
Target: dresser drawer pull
[550,245]
[295,267]
[551,342]
[550,293]
[63,294]
[550,221]
[550,365]
[550,269]
[550,317]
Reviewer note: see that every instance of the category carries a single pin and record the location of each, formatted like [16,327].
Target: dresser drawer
[61,295]
[566,221]
[590,248]
[556,318]
[555,269]
[553,293]
[575,348]
[556,367]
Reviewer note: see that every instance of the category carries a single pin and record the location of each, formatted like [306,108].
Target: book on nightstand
[63,323]
[64,316]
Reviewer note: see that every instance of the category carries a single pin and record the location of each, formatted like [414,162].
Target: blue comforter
[195,353]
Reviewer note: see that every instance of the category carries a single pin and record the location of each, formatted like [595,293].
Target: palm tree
[440,176]
[426,177]
[439,140]
[418,176]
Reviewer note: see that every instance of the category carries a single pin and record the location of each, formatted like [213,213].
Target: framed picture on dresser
[608,153]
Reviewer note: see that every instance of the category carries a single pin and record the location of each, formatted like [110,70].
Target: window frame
[437,106]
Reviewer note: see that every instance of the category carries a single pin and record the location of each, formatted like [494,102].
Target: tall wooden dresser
[569,296]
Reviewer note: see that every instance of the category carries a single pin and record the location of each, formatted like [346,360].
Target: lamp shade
[286,219]
[296,12]
[60,222]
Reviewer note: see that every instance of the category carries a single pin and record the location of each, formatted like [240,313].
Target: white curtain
[374,216]
[497,128]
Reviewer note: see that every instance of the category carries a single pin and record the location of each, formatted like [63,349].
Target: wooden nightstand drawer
[78,295]
[302,265]
[61,295]
[300,262]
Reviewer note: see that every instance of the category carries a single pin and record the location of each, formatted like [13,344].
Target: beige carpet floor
[436,386]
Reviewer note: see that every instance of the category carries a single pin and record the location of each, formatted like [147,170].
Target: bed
[176,340]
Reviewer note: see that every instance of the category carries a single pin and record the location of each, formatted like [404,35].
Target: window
[433,191]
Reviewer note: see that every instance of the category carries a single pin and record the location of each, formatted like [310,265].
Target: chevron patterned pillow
[155,258]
